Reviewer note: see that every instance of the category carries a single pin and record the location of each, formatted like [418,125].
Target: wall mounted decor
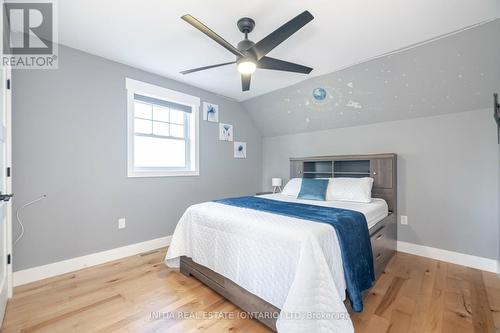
[210,112]
[240,149]
[496,114]
[225,132]
[319,94]
[322,98]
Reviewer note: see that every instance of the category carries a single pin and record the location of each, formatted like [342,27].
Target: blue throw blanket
[352,233]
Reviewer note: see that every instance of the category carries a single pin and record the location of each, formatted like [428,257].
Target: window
[162,131]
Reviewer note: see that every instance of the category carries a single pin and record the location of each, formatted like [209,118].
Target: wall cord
[19,219]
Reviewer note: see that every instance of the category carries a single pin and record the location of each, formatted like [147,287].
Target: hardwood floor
[417,294]
[414,295]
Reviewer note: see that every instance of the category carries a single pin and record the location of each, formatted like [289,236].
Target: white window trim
[134,86]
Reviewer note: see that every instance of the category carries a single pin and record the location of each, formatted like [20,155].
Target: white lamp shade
[276,181]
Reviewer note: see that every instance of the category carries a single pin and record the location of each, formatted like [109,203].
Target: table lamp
[276,183]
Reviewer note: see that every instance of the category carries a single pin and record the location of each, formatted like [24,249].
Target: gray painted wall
[69,141]
[448,174]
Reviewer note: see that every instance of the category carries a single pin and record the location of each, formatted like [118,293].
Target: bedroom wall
[69,142]
[448,174]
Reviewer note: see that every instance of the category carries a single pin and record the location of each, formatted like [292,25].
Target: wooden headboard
[381,167]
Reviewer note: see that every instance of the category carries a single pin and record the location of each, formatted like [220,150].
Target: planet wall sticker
[319,94]
[324,98]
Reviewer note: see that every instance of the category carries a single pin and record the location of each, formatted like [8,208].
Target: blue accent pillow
[313,189]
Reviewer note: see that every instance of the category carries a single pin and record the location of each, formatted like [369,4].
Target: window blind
[167,104]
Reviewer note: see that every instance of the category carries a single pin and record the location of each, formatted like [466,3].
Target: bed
[283,269]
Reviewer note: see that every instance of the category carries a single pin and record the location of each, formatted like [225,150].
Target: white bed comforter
[294,264]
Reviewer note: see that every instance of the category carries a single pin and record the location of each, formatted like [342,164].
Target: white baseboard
[61,267]
[485,264]
[74,264]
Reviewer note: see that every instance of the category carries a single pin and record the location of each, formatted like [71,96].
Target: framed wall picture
[225,132]
[210,112]
[240,149]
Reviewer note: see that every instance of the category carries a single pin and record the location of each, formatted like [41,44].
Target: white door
[5,188]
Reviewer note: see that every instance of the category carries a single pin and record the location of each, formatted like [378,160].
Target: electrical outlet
[404,219]
[122,224]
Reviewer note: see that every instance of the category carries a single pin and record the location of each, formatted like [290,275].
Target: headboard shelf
[318,172]
[381,167]
[366,174]
[342,157]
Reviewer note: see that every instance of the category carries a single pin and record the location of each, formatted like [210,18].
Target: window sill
[138,174]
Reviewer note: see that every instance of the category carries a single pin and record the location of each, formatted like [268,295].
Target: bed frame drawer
[202,273]
[383,239]
[234,293]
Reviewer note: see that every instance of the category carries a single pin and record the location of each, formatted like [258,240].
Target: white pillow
[292,188]
[350,189]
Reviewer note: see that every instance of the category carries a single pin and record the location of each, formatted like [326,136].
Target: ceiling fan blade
[210,33]
[206,67]
[281,65]
[265,45]
[245,81]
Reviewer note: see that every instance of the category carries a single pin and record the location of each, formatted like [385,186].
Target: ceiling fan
[250,55]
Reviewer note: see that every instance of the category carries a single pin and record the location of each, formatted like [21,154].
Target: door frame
[8,176]
[6,124]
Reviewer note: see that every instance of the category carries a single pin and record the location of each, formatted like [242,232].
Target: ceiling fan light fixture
[247,67]
[250,55]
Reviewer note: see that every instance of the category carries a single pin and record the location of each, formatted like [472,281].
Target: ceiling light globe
[246,67]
